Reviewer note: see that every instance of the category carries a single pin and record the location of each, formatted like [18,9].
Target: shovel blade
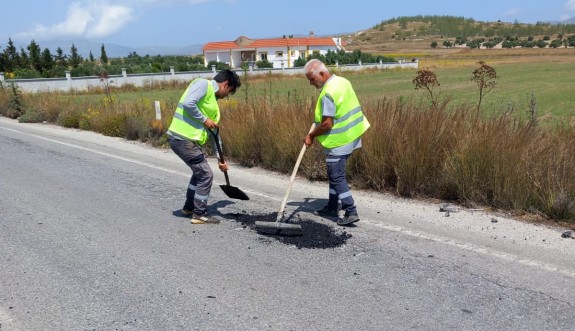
[277,228]
[234,192]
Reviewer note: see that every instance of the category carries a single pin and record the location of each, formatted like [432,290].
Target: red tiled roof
[276,42]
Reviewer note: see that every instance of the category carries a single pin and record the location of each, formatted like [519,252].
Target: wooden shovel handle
[292,178]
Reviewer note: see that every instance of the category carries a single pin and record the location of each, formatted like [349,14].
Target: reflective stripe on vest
[349,122]
[186,127]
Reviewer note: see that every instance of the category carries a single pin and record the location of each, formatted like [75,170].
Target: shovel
[231,191]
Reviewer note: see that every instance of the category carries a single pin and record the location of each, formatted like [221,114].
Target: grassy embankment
[500,159]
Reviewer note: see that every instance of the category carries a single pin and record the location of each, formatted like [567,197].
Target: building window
[293,53]
[263,56]
[279,54]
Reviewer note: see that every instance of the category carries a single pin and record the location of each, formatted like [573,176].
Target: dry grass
[416,150]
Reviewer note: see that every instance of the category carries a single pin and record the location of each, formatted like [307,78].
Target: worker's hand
[308,140]
[223,166]
[208,123]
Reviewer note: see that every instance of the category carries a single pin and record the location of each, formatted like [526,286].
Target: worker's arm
[197,91]
[323,127]
[328,113]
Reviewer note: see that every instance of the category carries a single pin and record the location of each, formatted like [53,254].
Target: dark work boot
[326,212]
[347,220]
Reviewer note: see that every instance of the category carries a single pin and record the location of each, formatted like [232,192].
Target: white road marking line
[478,249]
[145,164]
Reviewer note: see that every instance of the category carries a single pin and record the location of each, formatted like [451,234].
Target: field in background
[547,79]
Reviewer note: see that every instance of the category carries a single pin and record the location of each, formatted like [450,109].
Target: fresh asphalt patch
[313,234]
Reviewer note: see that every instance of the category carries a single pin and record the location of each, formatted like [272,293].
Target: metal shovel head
[278,228]
[234,192]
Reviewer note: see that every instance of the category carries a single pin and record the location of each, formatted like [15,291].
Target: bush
[68,119]
[264,64]
[4,97]
[15,103]
[137,128]
[113,125]
[300,62]
[33,115]
[219,65]
[27,74]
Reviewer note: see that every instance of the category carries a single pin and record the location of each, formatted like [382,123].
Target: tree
[103,56]
[46,62]
[35,56]
[434,44]
[2,63]
[24,59]
[11,56]
[485,77]
[60,58]
[541,44]
[75,58]
[556,43]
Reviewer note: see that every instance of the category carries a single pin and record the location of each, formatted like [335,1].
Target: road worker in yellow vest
[197,111]
[339,125]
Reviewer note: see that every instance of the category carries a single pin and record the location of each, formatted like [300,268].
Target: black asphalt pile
[312,235]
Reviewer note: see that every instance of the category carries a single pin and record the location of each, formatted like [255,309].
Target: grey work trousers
[338,187]
[200,184]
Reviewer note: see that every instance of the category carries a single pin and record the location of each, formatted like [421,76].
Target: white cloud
[512,12]
[109,20]
[84,20]
[570,5]
[163,2]
[99,18]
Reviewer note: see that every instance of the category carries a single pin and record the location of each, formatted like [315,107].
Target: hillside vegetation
[418,33]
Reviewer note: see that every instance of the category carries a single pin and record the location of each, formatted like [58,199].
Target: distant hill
[419,32]
[569,21]
[112,50]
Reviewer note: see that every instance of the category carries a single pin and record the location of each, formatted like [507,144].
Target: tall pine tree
[47,62]
[11,56]
[103,56]
[61,58]
[35,57]
[75,58]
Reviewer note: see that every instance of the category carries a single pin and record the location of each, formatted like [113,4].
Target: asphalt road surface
[91,239]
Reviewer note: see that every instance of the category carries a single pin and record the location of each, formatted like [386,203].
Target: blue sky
[176,23]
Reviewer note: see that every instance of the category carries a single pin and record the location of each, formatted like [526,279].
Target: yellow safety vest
[185,127]
[349,122]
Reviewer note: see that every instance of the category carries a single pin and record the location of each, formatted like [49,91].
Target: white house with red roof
[281,52]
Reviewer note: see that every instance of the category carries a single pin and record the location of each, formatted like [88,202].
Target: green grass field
[551,83]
